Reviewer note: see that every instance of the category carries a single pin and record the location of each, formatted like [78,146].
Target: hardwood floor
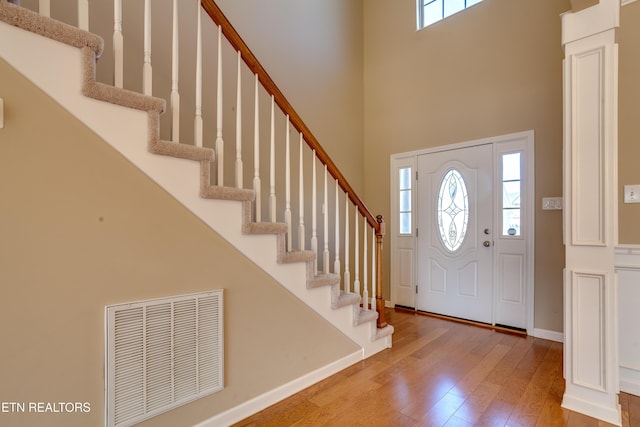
[443,373]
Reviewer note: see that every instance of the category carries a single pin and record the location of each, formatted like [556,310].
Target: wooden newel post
[379,299]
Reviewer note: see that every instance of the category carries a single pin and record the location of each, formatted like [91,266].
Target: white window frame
[420,4]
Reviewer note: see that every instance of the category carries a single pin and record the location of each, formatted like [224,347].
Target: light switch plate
[551,203]
[632,193]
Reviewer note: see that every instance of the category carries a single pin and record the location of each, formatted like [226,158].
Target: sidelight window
[406,219]
[511,188]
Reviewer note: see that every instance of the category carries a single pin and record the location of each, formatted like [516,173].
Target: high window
[432,11]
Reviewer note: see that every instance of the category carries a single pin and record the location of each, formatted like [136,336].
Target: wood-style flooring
[443,373]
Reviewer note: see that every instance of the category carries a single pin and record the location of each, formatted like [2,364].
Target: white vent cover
[161,354]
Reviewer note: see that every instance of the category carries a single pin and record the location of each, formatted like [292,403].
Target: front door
[455,235]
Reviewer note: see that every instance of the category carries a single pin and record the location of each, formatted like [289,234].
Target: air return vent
[161,354]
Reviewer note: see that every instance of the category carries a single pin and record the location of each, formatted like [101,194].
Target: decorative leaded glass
[453,210]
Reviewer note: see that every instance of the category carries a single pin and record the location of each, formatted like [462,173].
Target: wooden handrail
[254,65]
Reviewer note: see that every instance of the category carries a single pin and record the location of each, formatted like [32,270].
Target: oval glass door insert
[453,210]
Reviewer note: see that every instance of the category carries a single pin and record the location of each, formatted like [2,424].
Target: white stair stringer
[127,130]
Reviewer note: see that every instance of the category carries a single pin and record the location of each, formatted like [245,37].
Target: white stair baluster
[365,284]
[239,171]
[44,8]
[325,214]
[146,67]
[373,269]
[175,94]
[118,45]
[287,180]
[336,261]
[83,14]
[272,165]
[256,154]
[356,266]
[314,236]
[347,274]
[301,232]
[198,127]
[219,140]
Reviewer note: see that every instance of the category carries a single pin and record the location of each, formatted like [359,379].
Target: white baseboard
[269,398]
[548,335]
[630,381]
[609,414]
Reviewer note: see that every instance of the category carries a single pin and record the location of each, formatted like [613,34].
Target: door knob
[486,243]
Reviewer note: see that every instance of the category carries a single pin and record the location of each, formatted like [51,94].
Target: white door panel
[456,280]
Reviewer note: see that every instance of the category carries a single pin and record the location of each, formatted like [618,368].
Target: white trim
[257,404]
[630,381]
[626,2]
[627,257]
[592,409]
[548,335]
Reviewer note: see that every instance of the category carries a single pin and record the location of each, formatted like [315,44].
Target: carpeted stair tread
[265,228]
[346,299]
[297,256]
[117,96]
[182,151]
[31,21]
[226,193]
[365,316]
[320,280]
[383,332]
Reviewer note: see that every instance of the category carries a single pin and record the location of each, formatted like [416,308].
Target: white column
[147,76]
[336,261]
[44,8]
[118,45]
[272,165]
[198,126]
[287,181]
[83,14]
[301,231]
[239,171]
[175,94]
[314,236]
[590,211]
[347,274]
[256,152]
[356,265]
[325,217]
[219,140]
[373,267]
[365,283]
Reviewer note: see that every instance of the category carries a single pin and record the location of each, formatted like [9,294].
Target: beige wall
[313,51]
[492,70]
[82,228]
[629,125]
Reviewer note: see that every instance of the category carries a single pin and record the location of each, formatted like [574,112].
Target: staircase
[193,174]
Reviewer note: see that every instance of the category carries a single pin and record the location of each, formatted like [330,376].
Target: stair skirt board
[265,400]
[178,176]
